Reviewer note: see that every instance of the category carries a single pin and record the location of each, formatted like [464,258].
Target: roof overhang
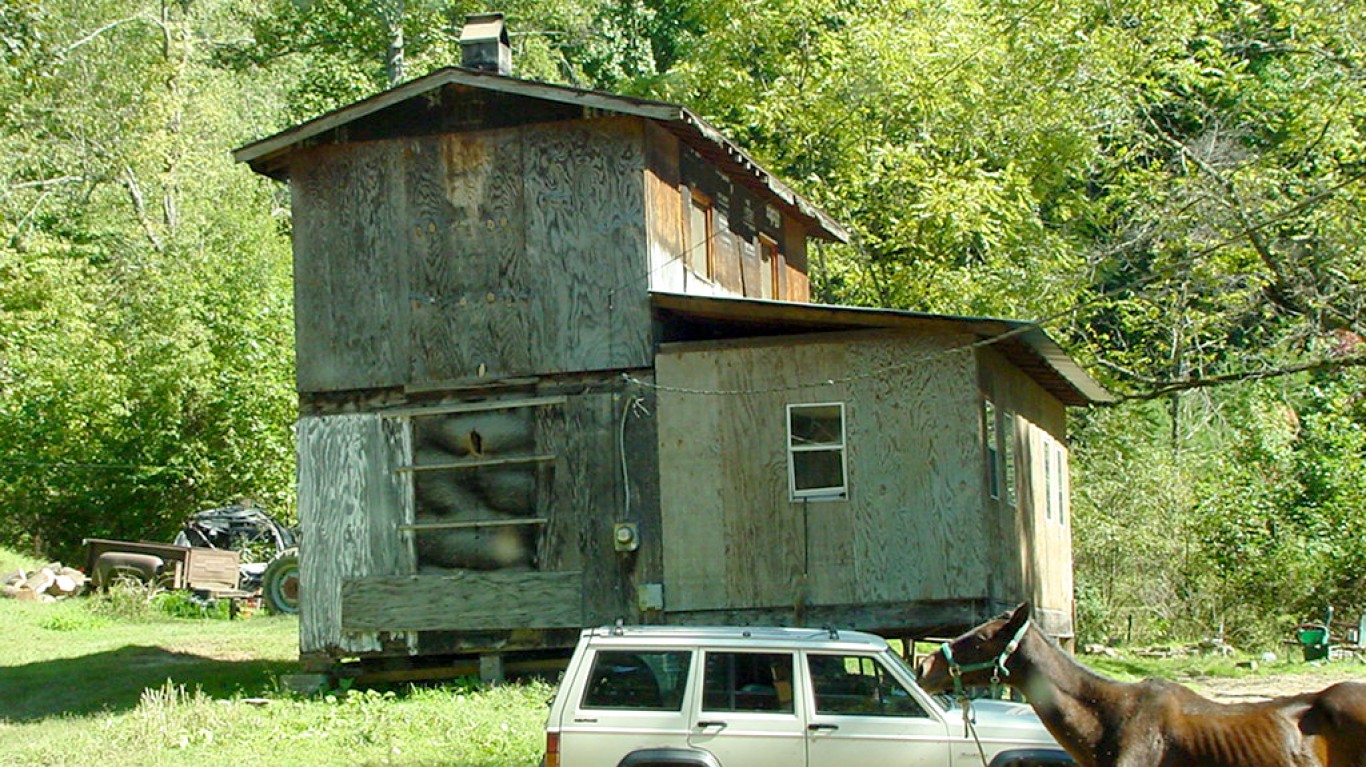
[267,155]
[1024,344]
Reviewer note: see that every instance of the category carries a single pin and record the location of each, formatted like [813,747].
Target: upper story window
[815,452]
[769,263]
[700,222]
[1057,488]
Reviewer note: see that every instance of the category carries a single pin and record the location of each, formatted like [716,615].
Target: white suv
[750,697]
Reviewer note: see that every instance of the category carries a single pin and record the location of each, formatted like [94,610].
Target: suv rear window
[639,680]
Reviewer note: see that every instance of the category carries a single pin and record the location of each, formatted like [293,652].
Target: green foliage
[145,320]
[1173,188]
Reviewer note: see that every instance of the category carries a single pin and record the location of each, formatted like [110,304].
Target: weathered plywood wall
[911,527]
[575,577]
[458,257]
[351,503]
[1041,571]
[351,259]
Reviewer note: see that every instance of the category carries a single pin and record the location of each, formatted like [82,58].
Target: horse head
[978,657]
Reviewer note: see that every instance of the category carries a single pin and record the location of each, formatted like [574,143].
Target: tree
[144,321]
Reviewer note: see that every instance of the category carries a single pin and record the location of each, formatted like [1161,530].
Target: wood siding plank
[692,511]
[471,287]
[462,601]
[1041,568]
[664,210]
[584,500]
[914,442]
[586,243]
[351,503]
[350,267]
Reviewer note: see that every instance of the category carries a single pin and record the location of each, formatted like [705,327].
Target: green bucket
[1314,642]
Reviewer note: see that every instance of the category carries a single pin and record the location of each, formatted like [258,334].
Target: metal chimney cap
[481,27]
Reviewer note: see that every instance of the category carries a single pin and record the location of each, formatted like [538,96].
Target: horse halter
[997,664]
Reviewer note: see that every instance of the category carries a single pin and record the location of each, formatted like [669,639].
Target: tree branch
[1163,388]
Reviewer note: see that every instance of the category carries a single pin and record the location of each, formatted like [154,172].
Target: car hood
[1000,719]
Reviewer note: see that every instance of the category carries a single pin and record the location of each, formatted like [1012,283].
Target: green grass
[117,680]
[125,679]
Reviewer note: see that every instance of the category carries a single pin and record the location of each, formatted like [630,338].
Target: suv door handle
[705,724]
[822,726]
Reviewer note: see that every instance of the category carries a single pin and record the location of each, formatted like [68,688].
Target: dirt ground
[1254,688]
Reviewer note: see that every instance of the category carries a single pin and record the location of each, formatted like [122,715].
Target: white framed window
[993,452]
[816,465]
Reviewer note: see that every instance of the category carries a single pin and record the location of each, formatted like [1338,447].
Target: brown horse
[1105,723]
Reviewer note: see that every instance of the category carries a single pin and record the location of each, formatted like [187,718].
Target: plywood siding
[584,500]
[914,439]
[459,257]
[471,283]
[910,529]
[585,240]
[350,267]
[350,505]
[664,210]
[1041,568]
[465,601]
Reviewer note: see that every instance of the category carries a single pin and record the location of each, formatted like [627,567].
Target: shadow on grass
[114,681]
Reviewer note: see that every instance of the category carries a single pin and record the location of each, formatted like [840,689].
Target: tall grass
[173,726]
[146,678]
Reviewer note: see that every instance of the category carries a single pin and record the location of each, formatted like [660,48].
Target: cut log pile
[46,584]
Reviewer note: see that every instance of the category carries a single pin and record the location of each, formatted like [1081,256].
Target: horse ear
[1019,616]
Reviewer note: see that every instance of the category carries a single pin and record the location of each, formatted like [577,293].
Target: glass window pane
[747,681]
[817,425]
[859,686]
[647,681]
[818,470]
[699,235]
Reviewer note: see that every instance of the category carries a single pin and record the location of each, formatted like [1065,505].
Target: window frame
[769,251]
[828,493]
[700,203]
[672,702]
[785,703]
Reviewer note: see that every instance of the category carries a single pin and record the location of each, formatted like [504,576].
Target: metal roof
[1024,344]
[265,155]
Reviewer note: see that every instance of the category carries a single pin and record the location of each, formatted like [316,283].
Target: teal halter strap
[997,664]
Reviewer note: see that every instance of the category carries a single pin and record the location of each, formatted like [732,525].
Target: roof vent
[484,44]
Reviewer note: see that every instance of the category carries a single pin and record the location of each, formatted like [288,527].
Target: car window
[643,680]
[748,681]
[859,685]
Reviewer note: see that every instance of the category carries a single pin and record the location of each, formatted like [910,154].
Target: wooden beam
[478,463]
[472,407]
[420,526]
[463,601]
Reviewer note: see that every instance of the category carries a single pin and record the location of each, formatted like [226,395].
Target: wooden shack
[557,366]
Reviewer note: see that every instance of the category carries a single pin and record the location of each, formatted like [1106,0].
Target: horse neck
[1079,707]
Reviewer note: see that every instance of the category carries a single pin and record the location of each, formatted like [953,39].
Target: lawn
[113,681]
